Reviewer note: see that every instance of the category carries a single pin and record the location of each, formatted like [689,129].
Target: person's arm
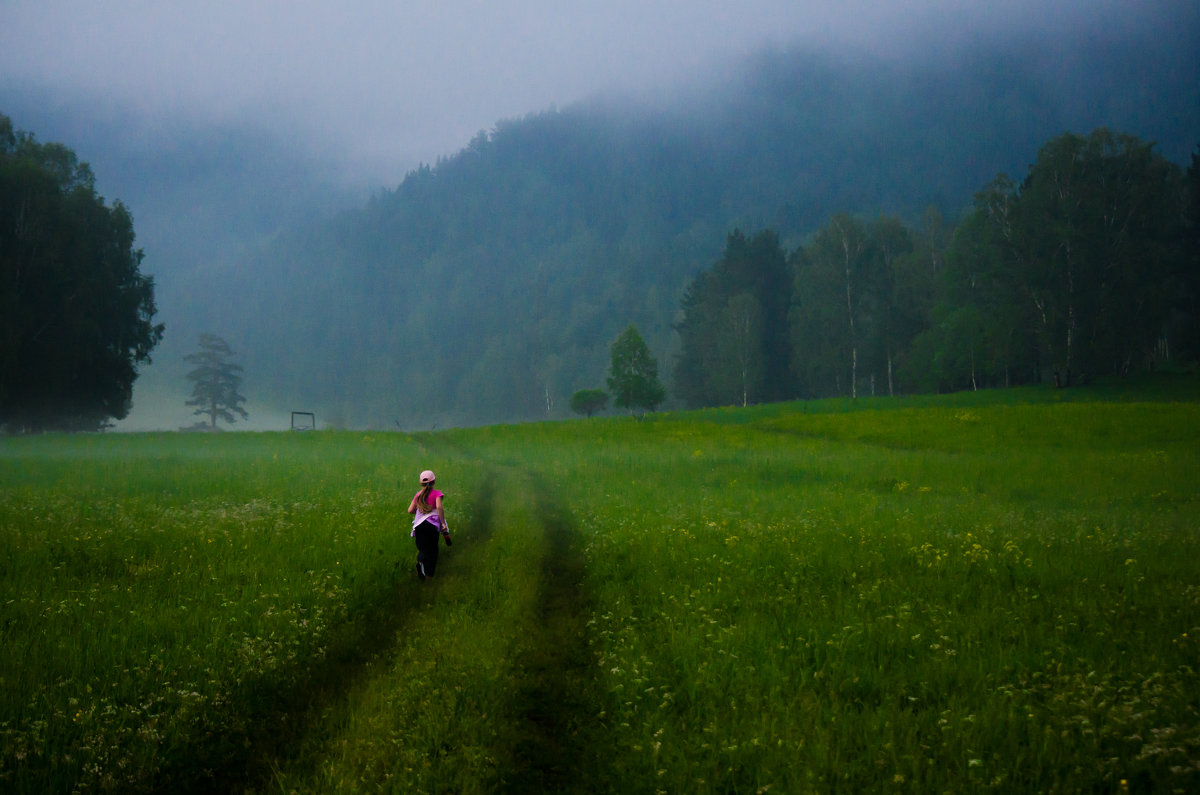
[442,520]
[412,506]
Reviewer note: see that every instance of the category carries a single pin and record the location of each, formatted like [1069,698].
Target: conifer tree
[215,381]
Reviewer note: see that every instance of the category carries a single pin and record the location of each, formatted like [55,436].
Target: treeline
[490,286]
[1088,267]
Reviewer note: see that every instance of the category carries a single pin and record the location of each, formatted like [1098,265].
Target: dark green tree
[914,285]
[215,381]
[891,246]
[832,313]
[741,349]
[982,330]
[1185,320]
[817,355]
[75,311]
[699,337]
[733,332]
[1074,271]
[589,401]
[633,377]
[1094,235]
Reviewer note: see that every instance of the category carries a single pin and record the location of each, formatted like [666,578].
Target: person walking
[429,521]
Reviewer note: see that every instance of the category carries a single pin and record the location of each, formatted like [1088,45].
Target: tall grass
[956,594]
[994,597]
[162,593]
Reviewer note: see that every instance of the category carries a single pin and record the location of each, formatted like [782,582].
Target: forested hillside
[490,285]
[1086,268]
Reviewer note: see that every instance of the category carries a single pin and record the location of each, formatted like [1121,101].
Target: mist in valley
[401,221]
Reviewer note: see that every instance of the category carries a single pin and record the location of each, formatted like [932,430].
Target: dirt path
[558,704]
[356,650]
[552,740]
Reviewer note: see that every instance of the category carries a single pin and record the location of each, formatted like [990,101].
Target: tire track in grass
[275,734]
[556,748]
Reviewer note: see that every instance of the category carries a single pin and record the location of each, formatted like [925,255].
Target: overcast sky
[390,84]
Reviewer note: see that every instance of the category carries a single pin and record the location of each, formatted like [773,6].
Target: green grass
[995,591]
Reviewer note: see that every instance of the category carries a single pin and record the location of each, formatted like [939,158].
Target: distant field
[995,591]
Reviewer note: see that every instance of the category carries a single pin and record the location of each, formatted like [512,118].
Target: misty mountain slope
[201,195]
[489,286]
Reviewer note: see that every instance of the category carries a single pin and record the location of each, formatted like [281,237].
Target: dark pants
[427,546]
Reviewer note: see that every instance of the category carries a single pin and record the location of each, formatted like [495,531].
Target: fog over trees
[488,286]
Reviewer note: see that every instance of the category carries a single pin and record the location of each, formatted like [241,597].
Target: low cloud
[387,85]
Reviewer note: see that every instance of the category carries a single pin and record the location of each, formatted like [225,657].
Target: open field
[997,591]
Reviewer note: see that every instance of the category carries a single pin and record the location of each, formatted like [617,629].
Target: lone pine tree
[215,381]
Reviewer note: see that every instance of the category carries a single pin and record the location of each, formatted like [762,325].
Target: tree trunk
[854,372]
[850,317]
[1070,317]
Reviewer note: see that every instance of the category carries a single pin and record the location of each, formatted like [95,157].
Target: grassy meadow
[988,592]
